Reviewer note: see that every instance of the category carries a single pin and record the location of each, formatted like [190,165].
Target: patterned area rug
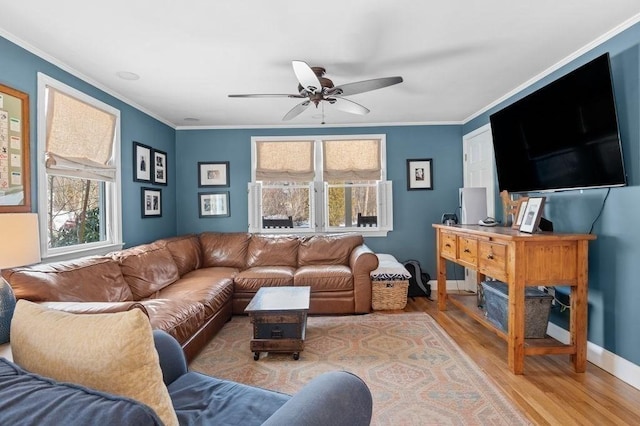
[416,373]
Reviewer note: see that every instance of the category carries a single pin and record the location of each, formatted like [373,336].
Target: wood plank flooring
[549,392]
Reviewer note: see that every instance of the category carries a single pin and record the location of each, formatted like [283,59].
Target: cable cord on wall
[604,201]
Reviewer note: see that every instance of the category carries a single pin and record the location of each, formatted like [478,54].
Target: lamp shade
[19,239]
[19,246]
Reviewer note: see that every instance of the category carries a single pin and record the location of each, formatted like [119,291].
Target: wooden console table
[520,259]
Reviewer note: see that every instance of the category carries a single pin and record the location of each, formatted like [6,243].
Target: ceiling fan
[315,88]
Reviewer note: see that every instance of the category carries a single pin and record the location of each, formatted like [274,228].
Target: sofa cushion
[324,278]
[250,280]
[186,252]
[224,249]
[113,353]
[332,249]
[32,400]
[273,250]
[147,268]
[88,279]
[204,400]
[180,318]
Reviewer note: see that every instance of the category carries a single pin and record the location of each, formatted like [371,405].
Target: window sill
[74,254]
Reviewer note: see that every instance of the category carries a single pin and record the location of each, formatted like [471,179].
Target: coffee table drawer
[278,331]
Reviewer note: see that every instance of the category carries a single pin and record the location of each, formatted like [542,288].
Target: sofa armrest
[172,360]
[94,307]
[336,398]
[362,261]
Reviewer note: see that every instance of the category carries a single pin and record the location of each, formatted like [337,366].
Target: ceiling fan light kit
[316,88]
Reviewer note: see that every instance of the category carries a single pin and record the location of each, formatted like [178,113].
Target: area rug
[417,374]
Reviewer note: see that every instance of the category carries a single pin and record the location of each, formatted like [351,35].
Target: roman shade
[284,161]
[351,160]
[80,138]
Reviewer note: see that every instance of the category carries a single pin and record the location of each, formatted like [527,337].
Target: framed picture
[420,174]
[159,167]
[15,173]
[517,217]
[213,174]
[532,214]
[142,166]
[151,202]
[214,204]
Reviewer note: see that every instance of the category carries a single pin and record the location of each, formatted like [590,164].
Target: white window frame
[112,193]
[319,205]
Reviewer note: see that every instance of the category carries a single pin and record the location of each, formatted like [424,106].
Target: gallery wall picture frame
[151,202]
[159,167]
[15,159]
[142,162]
[522,207]
[419,174]
[532,214]
[213,174]
[214,204]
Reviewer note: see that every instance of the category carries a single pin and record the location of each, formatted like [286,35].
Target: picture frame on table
[151,202]
[532,214]
[142,162]
[159,167]
[419,174]
[519,215]
[214,204]
[213,174]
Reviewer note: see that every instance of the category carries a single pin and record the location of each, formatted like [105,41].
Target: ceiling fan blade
[364,86]
[296,110]
[346,105]
[306,77]
[267,95]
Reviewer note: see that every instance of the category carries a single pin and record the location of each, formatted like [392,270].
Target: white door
[478,170]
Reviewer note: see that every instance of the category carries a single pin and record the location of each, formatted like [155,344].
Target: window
[78,172]
[320,184]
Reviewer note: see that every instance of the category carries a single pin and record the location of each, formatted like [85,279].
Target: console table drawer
[493,260]
[468,251]
[448,245]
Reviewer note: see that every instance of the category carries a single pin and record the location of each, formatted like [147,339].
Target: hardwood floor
[549,392]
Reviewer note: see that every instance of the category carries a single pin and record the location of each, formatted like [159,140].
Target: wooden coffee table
[279,318]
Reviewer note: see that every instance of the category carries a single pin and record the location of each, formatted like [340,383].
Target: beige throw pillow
[113,353]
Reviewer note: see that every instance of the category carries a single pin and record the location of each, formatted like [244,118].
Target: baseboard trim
[613,364]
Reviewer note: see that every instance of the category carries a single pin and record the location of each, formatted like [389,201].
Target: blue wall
[414,211]
[614,258]
[19,68]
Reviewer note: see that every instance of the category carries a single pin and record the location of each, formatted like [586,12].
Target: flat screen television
[563,136]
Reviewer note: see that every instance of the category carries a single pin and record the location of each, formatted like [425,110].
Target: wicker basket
[389,294]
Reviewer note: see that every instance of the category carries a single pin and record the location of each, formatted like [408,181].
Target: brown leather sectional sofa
[191,285]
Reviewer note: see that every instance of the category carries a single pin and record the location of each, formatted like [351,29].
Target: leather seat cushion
[179,318]
[204,286]
[324,278]
[250,280]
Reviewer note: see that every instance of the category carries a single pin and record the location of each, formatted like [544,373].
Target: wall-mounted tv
[563,136]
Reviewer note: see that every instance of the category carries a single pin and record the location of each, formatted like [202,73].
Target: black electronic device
[562,136]
[449,219]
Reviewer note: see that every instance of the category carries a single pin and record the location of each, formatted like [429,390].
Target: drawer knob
[467,251]
[447,245]
[490,256]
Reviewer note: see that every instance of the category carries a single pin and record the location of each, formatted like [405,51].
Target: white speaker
[473,205]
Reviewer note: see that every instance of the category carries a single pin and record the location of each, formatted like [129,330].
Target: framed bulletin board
[15,174]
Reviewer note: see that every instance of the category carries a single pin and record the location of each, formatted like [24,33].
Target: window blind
[349,160]
[286,161]
[79,140]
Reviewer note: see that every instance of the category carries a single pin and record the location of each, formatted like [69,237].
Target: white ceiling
[456,57]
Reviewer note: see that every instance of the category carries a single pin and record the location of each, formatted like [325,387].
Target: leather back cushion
[186,252]
[334,249]
[273,250]
[88,279]
[147,268]
[224,249]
